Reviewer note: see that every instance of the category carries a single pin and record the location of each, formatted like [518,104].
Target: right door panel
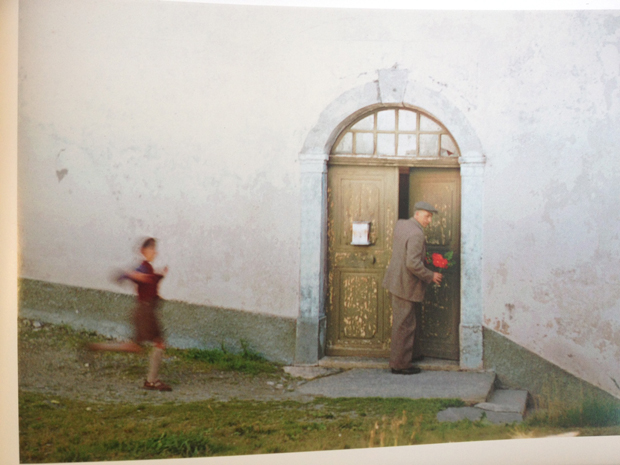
[441,307]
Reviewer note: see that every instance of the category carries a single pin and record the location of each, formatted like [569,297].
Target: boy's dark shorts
[146,324]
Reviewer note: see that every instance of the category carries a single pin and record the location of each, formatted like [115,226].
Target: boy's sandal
[156,386]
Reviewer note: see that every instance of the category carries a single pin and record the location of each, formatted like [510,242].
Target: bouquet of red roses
[440,262]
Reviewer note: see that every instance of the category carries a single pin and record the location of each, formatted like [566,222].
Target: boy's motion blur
[145,321]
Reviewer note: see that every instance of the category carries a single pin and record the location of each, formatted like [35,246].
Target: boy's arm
[142,274]
[140,277]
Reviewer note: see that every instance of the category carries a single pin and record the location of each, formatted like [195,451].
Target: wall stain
[499,326]
[60,174]
[510,308]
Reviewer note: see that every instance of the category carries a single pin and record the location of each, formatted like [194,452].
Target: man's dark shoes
[406,371]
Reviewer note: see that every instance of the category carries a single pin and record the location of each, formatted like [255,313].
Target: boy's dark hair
[150,242]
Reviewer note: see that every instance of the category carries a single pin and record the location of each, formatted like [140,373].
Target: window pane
[364,143]
[429,145]
[448,147]
[367,123]
[407,120]
[427,124]
[407,145]
[346,144]
[397,132]
[386,120]
[386,144]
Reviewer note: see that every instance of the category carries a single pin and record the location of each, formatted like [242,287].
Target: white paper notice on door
[360,233]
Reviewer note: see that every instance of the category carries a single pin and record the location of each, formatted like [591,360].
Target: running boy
[145,321]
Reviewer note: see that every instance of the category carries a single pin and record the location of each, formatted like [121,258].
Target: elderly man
[406,278]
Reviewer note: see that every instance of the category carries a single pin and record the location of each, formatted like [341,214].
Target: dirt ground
[53,360]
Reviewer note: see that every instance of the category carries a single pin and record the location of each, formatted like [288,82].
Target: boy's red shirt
[148,291]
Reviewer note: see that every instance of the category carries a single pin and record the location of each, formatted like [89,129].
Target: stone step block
[506,401]
[502,406]
[473,414]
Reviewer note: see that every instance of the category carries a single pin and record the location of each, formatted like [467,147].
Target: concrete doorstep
[474,388]
[369,382]
[428,364]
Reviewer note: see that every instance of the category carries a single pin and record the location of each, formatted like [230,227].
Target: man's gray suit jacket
[406,276]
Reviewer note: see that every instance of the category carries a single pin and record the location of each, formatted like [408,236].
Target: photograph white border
[567,451]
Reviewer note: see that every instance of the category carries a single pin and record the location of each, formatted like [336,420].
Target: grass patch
[246,361]
[57,336]
[585,411]
[589,413]
[54,429]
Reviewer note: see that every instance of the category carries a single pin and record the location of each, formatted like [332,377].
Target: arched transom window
[396,133]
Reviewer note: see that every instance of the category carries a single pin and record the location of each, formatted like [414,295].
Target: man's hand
[437,277]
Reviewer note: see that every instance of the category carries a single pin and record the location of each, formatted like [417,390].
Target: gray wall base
[186,325]
[518,368]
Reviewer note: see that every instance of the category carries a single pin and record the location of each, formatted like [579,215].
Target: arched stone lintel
[338,115]
[391,89]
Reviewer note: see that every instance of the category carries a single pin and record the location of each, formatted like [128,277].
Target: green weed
[583,412]
[247,361]
[588,413]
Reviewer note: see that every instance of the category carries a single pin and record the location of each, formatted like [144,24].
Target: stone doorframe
[391,89]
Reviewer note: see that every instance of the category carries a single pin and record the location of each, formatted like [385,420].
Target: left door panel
[358,308]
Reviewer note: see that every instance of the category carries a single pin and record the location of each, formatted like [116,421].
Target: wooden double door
[358,308]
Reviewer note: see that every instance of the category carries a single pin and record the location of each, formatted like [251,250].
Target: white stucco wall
[169,123]
[185,121]
[552,186]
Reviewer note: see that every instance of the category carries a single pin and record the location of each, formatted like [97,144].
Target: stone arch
[391,89]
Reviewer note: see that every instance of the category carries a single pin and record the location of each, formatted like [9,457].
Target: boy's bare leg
[155,361]
[116,347]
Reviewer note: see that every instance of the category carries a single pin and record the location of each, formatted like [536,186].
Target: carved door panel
[358,308]
[441,307]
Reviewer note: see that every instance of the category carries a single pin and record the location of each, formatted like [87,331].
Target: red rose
[439,261]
